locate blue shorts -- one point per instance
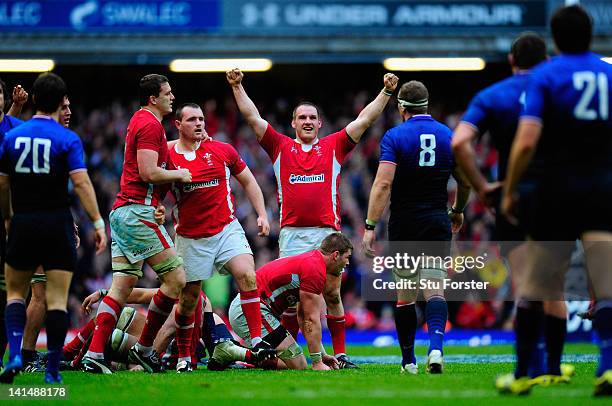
(44, 239)
(564, 207)
(427, 226)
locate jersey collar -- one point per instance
(181, 152)
(150, 112)
(306, 147)
(420, 116)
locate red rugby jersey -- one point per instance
(308, 177)
(206, 205)
(144, 132)
(280, 281)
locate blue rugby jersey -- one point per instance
(39, 156)
(570, 95)
(421, 149)
(497, 109)
(7, 124)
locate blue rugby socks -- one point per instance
(603, 326)
(406, 325)
(537, 364)
(436, 314)
(15, 319)
(555, 330)
(57, 326)
(208, 333)
(529, 315)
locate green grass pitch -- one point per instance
(461, 383)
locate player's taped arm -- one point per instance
(465, 155)
(373, 110)
(309, 317)
(253, 192)
(381, 191)
(524, 146)
(463, 190)
(249, 111)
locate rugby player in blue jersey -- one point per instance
(496, 109)
(34, 361)
(416, 162)
(567, 118)
(36, 161)
(8, 121)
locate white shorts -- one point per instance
(298, 240)
(202, 256)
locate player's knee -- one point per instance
(246, 279)
(431, 293)
(291, 353)
(172, 274)
(124, 269)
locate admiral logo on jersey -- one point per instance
(293, 178)
(188, 187)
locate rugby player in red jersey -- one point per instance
(307, 171)
(208, 235)
(285, 282)
(218, 339)
(136, 237)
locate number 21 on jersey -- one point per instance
(590, 83)
(427, 156)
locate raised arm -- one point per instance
(372, 111)
(85, 191)
(20, 97)
(379, 197)
(245, 104)
(255, 196)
